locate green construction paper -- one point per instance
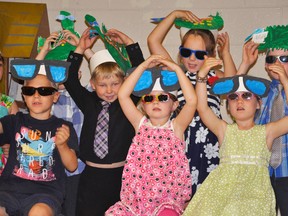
(277, 38)
(62, 51)
(117, 51)
(211, 23)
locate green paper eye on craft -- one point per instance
(210, 23)
(277, 38)
(61, 48)
(117, 51)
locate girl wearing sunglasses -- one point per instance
(276, 66)
(156, 177)
(240, 185)
(195, 45)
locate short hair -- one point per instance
(1, 57)
(54, 85)
(106, 70)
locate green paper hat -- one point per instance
(62, 50)
(117, 51)
(211, 23)
(277, 38)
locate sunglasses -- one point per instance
(244, 95)
(272, 59)
(27, 69)
(186, 53)
(43, 91)
(149, 98)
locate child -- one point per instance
(7, 106)
(276, 65)
(156, 178)
(100, 182)
(202, 148)
(240, 185)
(41, 147)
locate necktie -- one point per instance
(277, 112)
(101, 132)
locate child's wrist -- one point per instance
(201, 79)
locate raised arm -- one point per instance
(159, 33)
(249, 57)
(216, 125)
(223, 49)
(186, 114)
(127, 105)
(47, 46)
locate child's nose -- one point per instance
(192, 56)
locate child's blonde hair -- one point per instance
(106, 70)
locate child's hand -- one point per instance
(250, 53)
(186, 15)
(150, 62)
(62, 135)
(51, 39)
(169, 64)
(278, 69)
(119, 37)
(223, 42)
(209, 63)
(70, 37)
(85, 40)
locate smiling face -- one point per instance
(40, 106)
(193, 42)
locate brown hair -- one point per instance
(207, 37)
(106, 70)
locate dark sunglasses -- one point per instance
(186, 53)
(272, 59)
(149, 98)
(43, 91)
(244, 96)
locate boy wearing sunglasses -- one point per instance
(42, 146)
(276, 65)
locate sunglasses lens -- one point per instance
(200, 55)
(283, 59)
(232, 96)
(25, 71)
(148, 98)
(185, 53)
(270, 59)
(58, 73)
(44, 91)
(29, 91)
(163, 98)
(247, 95)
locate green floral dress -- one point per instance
(5, 103)
(240, 185)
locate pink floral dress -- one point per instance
(156, 175)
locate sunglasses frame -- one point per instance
(155, 97)
(274, 58)
(192, 52)
(49, 64)
(248, 97)
(168, 80)
(255, 85)
(40, 90)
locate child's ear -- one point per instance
(56, 97)
(92, 84)
(175, 105)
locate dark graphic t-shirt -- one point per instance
(34, 164)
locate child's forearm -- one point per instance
(229, 65)
(68, 157)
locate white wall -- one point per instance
(132, 17)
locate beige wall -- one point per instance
(241, 17)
